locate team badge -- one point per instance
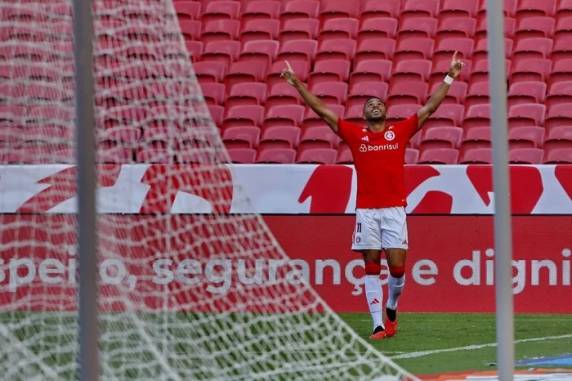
(389, 135)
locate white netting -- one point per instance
(182, 297)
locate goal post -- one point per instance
(207, 296)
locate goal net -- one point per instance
(206, 296)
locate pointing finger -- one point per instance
(288, 65)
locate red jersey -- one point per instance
(379, 159)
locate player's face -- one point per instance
(374, 110)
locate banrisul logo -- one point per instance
(381, 147)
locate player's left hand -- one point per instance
(456, 66)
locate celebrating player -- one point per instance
(379, 152)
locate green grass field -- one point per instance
(437, 342)
(427, 343)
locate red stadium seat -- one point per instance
(411, 155)
(480, 71)
(457, 92)
(246, 93)
(523, 137)
(371, 70)
(558, 156)
(403, 92)
(217, 10)
(344, 155)
(241, 137)
(564, 8)
(400, 112)
(419, 27)
(288, 135)
(187, 9)
(213, 92)
(414, 48)
(377, 27)
(295, 9)
(527, 8)
(331, 92)
(155, 155)
(190, 29)
(413, 8)
(476, 156)
(447, 46)
(260, 29)
(298, 49)
(242, 155)
(276, 156)
(244, 71)
(339, 28)
(282, 93)
(526, 114)
(481, 51)
(376, 8)
(375, 49)
(300, 67)
(534, 26)
(221, 51)
(317, 156)
(362, 91)
(561, 71)
(456, 27)
(114, 153)
(284, 115)
(476, 137)
(478, 93)
(220, 30)
(195, 49)
(454, 8)
(563, 26)
(259, 52)
(532, 48)
(336, 49)
(558, 115)
(330, 70)
(509, 27)
(478, 115)
(354, 114)
(251, 115)
(216, 113)
(412, 70)
(526, 92)
(333, 9)
(441, 137)
(260, 9)
(559, 137)
(559, 93)
(439, 156)
(533, 69)
(562, 47)
(525, 155)
(321, 134)
(311, 119)
(446, 115)
(299, 29)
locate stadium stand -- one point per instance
(347, 51)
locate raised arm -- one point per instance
(439, 94)
(311, 100)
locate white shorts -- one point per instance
(377, 229)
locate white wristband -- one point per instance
(448, 79)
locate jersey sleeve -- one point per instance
(345, 130)
(409, 125)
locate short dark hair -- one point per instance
(370, 98)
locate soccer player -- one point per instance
(378, 149)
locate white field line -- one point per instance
(411, 355)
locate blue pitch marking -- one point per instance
(564, 360)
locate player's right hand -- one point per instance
(288, 74)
